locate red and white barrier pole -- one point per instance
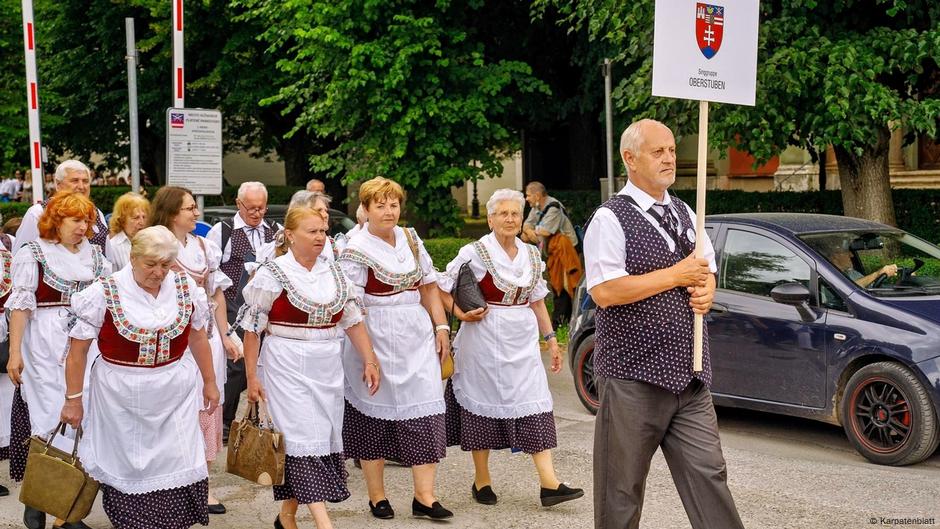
(179, 81)
(32, 100)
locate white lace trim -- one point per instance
(128, 486)
(314, 449)
(21, 299)
(512, 411)
(393, 413)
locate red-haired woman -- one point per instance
(46, 272)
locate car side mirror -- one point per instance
(797, 295)
(792, 293)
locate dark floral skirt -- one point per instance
(530, 434)
(312, 479)
(411, 442)
(177, 508)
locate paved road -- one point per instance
(784, 473)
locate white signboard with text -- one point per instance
(194, 150)
(706, 50)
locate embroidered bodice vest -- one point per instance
(6, 281)
(293, 309)
(123, 343)
(496, 289)
(380, 281)
(53, 291)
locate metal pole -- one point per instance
(608, 113)
(32, 101)
(132, 103)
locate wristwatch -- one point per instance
(548, 336)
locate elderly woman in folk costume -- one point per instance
(46, 272)
(305, 306)
(404, 421)
(498, 396)
(142, 439)
(130, 215)
(175, 208)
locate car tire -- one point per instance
(583, 371)
(888, 416)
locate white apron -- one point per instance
(300, 366)
(401, 330)
(142, 426)
(45, 340)
(498, 369)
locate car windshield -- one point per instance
(885, 263)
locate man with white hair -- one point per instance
(71, 176)
(648, 286)
(316, 186)
(240, 238)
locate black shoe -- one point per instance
(4, 491)
(277, 522)
(562, 494)
(382, 510)
(77, 525)
(216, 508)
(34, 519)
(357, 463)
(486, 496)
(435, 512)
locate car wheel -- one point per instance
(888, 416)
(583, 371)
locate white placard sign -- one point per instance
(194, 150)
(706, 50)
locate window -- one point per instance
(829, 298)
(755, 264)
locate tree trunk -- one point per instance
(866, 188)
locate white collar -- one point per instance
(120, 238)
(642, 198)
(240, 223)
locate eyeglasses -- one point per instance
(191, 209)
(252, 211)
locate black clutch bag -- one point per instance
(466, 292)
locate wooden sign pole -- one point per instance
(700, 221)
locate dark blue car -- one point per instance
(830, 318)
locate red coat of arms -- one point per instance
(709, 28)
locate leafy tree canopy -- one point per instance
(409, 90)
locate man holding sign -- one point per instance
(648, 285)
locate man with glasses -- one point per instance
(240, 239)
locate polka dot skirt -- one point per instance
(4, 453)
(531, 434)
(313, 479)
(411, 442)
(211, 426)
(177, 508)
(19, 436)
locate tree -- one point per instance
(405, 89)
(83, 83)
(839, 73)
(14, 131)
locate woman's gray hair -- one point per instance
(69, 166)
(157, 242)
(502, 195)
(309, 199)
(247, 187)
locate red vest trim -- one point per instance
(117, 349)
(374, 287)
(494, 296)
(285, 314)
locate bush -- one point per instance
(13, 209)
(443, 250)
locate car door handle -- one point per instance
(718, 308)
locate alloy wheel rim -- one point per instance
(881, 415)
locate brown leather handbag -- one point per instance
(55, 482)
(255, 449)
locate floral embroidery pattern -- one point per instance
(319, 314)
(154, 343)
(398, 281)
(511, 293)
(6, 283)
(65, 286)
